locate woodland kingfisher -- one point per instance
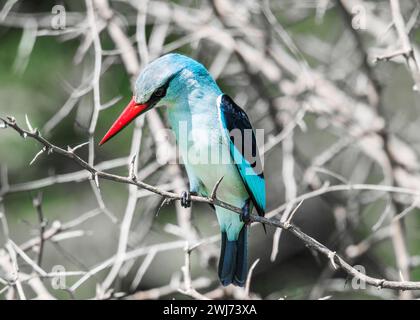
(217, 128)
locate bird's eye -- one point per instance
(160, 92)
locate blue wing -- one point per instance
(243, 149)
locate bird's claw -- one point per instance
(186, 199)
(245, 216)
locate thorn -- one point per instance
(331, 256)
(132, 173)
(37, 155)
(289, 219)
(69, 149)
(216, 186)
(96, 179)
(28, 123)
(165, 202)
(248, 278)
(401, 276)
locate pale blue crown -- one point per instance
(175, 67)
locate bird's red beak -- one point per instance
(132, 111)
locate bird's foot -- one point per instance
(186, 198)
(245, 216)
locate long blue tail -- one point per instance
(233, 263)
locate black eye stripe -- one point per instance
(159, 93)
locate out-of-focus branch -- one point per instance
(375, 94)
(407, 49)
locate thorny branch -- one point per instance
(335, 259)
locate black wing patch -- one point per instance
(244, 150)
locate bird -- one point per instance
(217, 144)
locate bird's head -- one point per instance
(156, 86)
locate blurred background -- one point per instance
(332, 83)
